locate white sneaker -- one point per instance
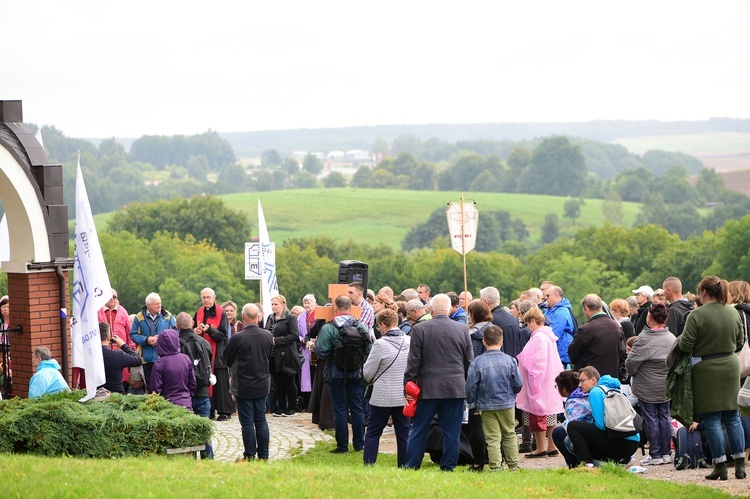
(666, 459)
(652, 461)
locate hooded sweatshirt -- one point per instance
(577, 407)
(596, 399)
(173, 377)
(47, 379)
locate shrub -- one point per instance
(59, 425)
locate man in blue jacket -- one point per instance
(560, 316)
(148, 323)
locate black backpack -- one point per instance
(200, 358)
(350, 348)
(575, 323)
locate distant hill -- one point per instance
(376, 216)
(327, 139)
(384, 216)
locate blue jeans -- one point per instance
(657, 420)
(202, 408)
(715, 435)
(450, 413)
(376, 424)
(347, 397)
(255, 434)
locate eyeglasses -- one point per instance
(581, 380)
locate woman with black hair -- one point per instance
(646, 363)
(712, 334)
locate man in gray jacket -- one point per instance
(439, 359)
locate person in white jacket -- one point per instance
(384, 369)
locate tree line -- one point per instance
(608, 260)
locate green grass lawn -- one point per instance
(314, 474)
(376, 216)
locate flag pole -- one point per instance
(463, 249)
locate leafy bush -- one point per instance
(59, 425)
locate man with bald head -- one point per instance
(199, 351)
(439, 359)
(679, 306)
(598, 342)
(250, 349)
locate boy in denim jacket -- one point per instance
(491, 387)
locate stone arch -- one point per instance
(32, 194)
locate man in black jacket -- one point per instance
(251, 350)
(116, 360)
(679, 307)
(201, 399)
(598, 342)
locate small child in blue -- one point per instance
(491, 387)
(577, 408)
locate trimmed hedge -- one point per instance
(122, 425)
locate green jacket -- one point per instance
(680, 386)
(713, 329)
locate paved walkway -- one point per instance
(289, 437)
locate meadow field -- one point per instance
(376, 216)
(384, 216)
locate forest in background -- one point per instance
(682, 204)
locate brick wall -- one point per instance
(35, 306)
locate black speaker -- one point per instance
(353, 271)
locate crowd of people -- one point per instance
(467, 367)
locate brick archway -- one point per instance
(32, 194)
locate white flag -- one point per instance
(269, 286)
(463, 220)
(4, 240)
(38, 136)
(91, 290)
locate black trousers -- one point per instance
(478, 442)
(286, 392)
(589, 443)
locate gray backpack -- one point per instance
(620, 418)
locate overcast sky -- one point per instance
(126, 69)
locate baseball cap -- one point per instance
(646, 290)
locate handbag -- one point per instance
(744, 354)
(743, 398)
(370, 386)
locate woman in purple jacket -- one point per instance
(173, 377)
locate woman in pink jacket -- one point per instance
(539, 364)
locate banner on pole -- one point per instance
(269, 286)
(91, 290)
(463, 221)
(253, 262)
